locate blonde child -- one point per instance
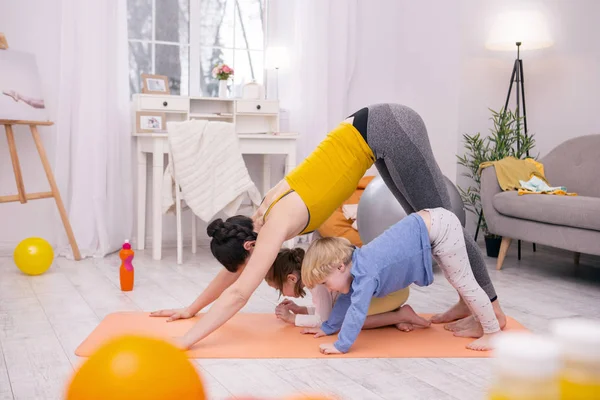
(402, 255)
(285, 276)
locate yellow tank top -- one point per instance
(330, 174)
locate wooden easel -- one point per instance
(22, 196)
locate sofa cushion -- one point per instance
(575, 211)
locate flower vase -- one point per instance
(223, 88)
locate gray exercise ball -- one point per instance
(378, 209)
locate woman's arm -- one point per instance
(217, 286)
(276, 191)
(222, 281)
(286, 220)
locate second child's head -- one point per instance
(285, 274)
(328, 261)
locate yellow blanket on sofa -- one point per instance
(510, 171)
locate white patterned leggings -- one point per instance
(449, 250)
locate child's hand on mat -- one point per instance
(173, 315)
(316, 331)
(282, 307)
(283, 314)
(328, 348)
(290, 305)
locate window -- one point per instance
(185, 39)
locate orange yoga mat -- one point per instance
(264, 336)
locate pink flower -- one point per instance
(226, 69)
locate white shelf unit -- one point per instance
(248, 116)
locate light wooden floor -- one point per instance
(43, 319)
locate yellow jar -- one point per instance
(525, 367)
(579, 342)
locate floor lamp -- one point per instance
(526, 30)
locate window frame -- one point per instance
(194, 47)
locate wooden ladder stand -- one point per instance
(22, 196)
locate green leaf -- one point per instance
(507, 130)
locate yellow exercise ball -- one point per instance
(33, 256)
(136, 367)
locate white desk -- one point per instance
(157, 144)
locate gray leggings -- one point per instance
(399, 140)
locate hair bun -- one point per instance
(214, 228)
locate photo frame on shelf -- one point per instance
(150, 122)
(155, 84)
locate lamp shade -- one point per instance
(528, 27)
(276, 57)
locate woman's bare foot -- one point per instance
(459, 311)
(406, 314)
(405, 326)
(458, 325)
(484, 343)
(473, 330)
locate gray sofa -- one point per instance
(570, 223)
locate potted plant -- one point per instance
(222, 72)
(501, 143)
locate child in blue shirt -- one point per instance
(402, 255)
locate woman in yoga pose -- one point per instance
(391, 136)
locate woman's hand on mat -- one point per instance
(316, 331)
(173, 315)
(328, 348)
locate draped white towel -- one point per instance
(209, 167)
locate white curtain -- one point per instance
(322, 48)
(93, 153)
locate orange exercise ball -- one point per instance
(33, 256)
(136, 367)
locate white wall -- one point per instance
(32, 26)
(562, 83)
(408, 53)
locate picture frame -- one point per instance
(21, 93)
(3, 42)
(155, 84)
(150, 122)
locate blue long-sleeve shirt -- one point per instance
(397, 258)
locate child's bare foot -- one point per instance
(458, 311)
(405, 326)
(499, 314)
(484, 343)
(474, 330)
(459, 325)
(408, 315)
(469, 327)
